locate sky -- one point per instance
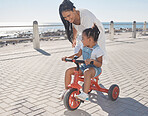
(47, 10)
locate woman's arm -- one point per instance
(77, 54)
(74, 37)
(97, 62)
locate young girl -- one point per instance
(92, 54)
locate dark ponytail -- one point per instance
(67, 6)
(92, 32)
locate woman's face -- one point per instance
(85, 40)
(69, 16)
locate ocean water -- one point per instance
(13, 30)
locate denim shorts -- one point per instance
(97, 69)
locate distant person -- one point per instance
(75, 21)
(92, 55)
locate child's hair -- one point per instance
(92, 32)
(67, 5)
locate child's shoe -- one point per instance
(83, 96)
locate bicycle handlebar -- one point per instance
(75, 61)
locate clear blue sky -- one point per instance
(47, 10)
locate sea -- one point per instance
(4, 31)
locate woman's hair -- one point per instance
(92, 32)
(67, 5)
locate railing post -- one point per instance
(36, 38)
(111, 31)
(134, 30)
(144, 28)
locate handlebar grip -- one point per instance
(73, 60)
(68, 60)
(80, 61)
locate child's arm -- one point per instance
(74, 37)
(97, 63)
(77, 54)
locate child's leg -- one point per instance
(88, 74)
(69, 72)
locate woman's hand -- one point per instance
(87, 61)
(63, 59)
(74, 43)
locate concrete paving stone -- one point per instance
(146, 104)
(28, 105)
(130, 107)
(88, 106)
(31, 100)
(11, 112)
(12, 96)
(54, 99)
(47, 114)
(24, 110)
(15, 93)
(36, 112)
(19, 114)
(60, 112)
(138, 98)
(51, 109)
(52, 104)
(4, 105)
(1, 110)
(19, 102)
(142, 102)
(41, 98)
(133, 95)
(14, 107)
(41, 102)
(145, 114)
(8, 100)
(61, 107)
(78, 112)
(145, 99)
(92, 110)
(117, 111)
(102, 113)
(128, 112)
(6, 114)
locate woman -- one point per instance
(75, 21)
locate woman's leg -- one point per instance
(69, 72)
(88, 74)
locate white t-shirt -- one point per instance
(96, 53)
(87, 20)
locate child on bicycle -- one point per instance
(92, 55)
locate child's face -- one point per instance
(85, 40)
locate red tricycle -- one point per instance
(70, 102)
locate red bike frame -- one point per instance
(94, 83)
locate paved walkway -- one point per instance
(31, 81)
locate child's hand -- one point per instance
(63, 59)
(87, 61)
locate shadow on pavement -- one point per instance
(43, 52)
(123, 106)
(77, 112)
